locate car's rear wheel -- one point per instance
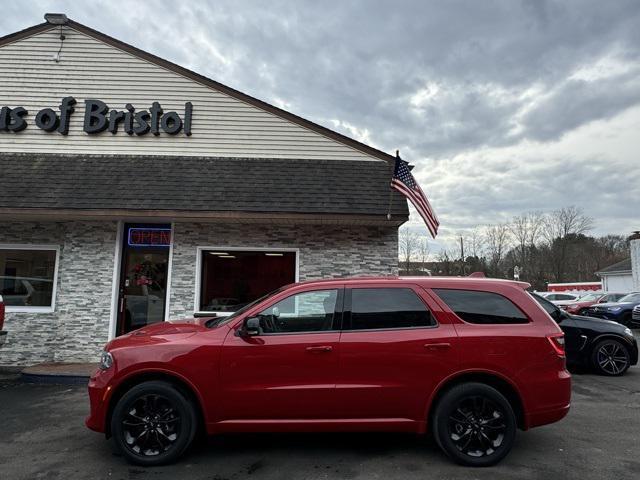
(474, 424)
(153, 423)
(610, 357)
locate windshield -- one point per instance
(632, 297)
(223, 320)
(590, 297)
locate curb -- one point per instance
(54, 379)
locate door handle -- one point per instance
(437, 346)
(320, 349)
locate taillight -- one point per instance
(1, 313)
(557, 343)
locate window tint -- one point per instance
(387, 308)
(304, 312)
(481, 307)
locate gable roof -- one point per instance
(338, 137)
(621, 267)
(208, 187)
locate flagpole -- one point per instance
(390, 188)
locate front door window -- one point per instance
(143, 278)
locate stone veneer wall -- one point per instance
(78, 328)
(325, 251)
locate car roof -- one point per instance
(425, 281)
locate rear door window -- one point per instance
(384, 308)
(475, 306)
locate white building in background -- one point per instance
(634, 245)
(617, 277)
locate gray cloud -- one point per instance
(437, 79)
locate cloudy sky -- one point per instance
(502, 106)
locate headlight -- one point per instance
(627, 331)
(106, 361)
(614, 309)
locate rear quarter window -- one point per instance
(388, 308)
(480, 307)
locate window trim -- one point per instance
(198, 275)
(39, 247)
(446, 305)
(346, 313)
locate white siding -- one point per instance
(617, 283)
(222, 125)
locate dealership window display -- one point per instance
(28, 277)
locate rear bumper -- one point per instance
(545, 417)
(552, 399)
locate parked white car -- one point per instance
(560, 298)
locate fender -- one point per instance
(461, 373)
(153, 370)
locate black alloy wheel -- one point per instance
(153, 423)
(610, 357)
(474, 424)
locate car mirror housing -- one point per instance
(250, 327)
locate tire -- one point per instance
(610, 357)
(153, 423)
(481, 417)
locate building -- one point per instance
(617, 277)
(575, 287)
(133, 191)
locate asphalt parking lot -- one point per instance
(42, 435)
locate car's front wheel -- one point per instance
(474, 424)
(153, 423)
(610, 357)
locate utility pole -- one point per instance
(462, 272)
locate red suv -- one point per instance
(469, 360)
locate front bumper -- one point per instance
(100, 391)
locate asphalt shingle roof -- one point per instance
(198, 184)
(623, 266)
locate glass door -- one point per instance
(143, 276)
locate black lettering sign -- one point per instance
(66, 109)
(98, 117)
(95, 120)
(47, 120)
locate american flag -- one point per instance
(404, 182)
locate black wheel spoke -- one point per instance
(477, 426)
(151, 426)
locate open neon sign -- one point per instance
(149, 237)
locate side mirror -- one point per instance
(250, 327)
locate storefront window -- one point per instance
(27, 278)
(230, 279)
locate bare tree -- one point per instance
(566, 221)
(422, 253)
(474, 242)
(497, 239)
(561, 228)
(408, 247)
(525, 230)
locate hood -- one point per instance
(161, 332)
(614, 304)
(173, 327)
(598, 322)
